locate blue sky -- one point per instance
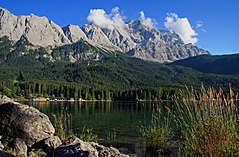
(218, 19)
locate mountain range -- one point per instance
(134, 38)
(38, 57)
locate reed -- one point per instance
(207, 121)
(63, 125)
(158, 134)
(63, 128)
(201, 123)
(111, 136)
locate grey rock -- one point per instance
(109, 152)
(120, 38)
(27, 123)
(158, 45)
(18, 147)
(38, 30)
(1, 146)
(74, 33)
(37, 153)
(5, 99)
(98, 37)
(52, 142)
(74, 147)
(142, 42)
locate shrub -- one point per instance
(88, 135)
(158, 134)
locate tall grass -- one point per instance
(158, 133)
(63, 128)
(111, 136)
(204, 123)
(207, 122)
(63, 125)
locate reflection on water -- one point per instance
(121, 118)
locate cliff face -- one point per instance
(158, 45)
(134, 38)
(74, 33)
(37, 30)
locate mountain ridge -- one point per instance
(215, 64)
(134, 39)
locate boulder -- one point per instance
(1, 146)
(25, 122)
(52, 143)
(18, 147)
(74, 147)
(110, 152)
(4, 99)
(37, 153)
(33, 132)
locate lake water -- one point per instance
(122, 119)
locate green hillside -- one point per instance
(224, 64)
(27, 72)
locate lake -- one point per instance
(121, 119)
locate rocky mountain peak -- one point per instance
(134, 22)
(74, 33)
(96, 35)
(134, 38)
(121, 38)
(137, 24)
(4, 11)
(38, 30)
(159, 45)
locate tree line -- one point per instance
(53, 89)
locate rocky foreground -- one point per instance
(25, 131)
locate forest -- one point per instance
(26, 72)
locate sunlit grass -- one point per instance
(63, 128)
(63, 125)
(202, 123)
(158, 134)
(207, 122)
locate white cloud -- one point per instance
(199, 26)
(117, 18)
(100, 18)
(104, 20)
(148, 22)
(182, 27)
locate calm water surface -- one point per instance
(121, 118)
